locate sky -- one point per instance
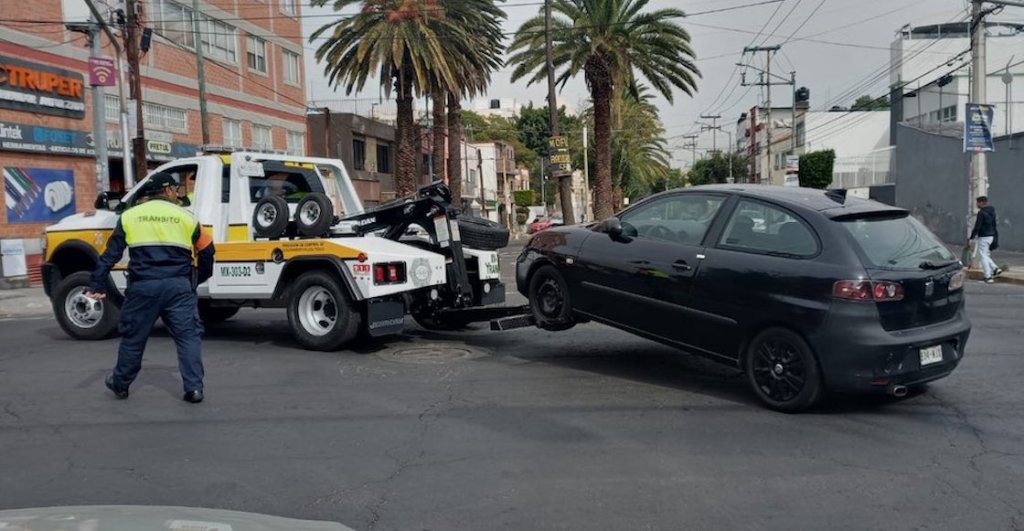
(832, 45)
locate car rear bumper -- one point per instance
(859, 355)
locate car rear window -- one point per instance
(896, 242)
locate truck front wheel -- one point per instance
(321, 315)
(80, 316)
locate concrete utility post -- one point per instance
(132, 25)
(979, 162)
(767, 83)
(126, 160)
(714, 128)
(201, 73)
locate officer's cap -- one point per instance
(160, 182)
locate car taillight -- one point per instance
(389, 273)
(867, 290)
(956, 281)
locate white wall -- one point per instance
(848, 133)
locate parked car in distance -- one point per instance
(806, 291)
(544, 223)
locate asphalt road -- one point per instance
(585, 429)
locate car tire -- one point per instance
(482, 233)
(783, 371)
(215, 314)
(314, 215)
(270, 217)
(320, 313)
(549, 299)
(80, 317)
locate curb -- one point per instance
(1005, 278)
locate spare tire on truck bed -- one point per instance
(482, 233)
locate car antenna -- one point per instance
(838, 195)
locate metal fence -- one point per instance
(861, 171)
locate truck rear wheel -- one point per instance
(270, 217)
(321, 315)
(80, 316)
(314, 215)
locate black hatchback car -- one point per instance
(804, 290)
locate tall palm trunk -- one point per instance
(439, 134)
(408, 148)
(455, 148)
(601, 91)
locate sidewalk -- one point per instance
(24, 302)
(1011, 263)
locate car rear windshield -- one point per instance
(896, 242)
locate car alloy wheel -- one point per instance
(550, 298)
(783, 371)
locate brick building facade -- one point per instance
(255, 98)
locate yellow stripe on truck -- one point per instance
(95, 238)
(238, 233)
(263, 251)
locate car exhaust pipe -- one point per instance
(898, 391)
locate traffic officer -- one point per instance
(163, 241)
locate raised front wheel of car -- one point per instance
(549, 299)
(314, 215)
(783, 371)
(320, 313)
(80, 316)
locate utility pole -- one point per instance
(766, 81)
(201, 73)
(132, 47)
(564, 181)
(586, 176)
(792, 123)
(714, 128)
(979, 162)
(126, 161)
(693, 148)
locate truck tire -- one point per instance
(270, 217)
(215, 314)
(80, 317)
(314, 215)
(320, 313)
(482, 233)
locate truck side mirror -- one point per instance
(108, 201)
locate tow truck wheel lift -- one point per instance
(430, 208)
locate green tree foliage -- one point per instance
(867, 103)
(609, 42)
(816, 169)
(715, 169)
(524, 197)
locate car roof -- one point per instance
(830, 203)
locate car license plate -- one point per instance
(931, 355)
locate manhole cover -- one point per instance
(430, 355)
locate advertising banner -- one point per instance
(38, 195)
(38, 139)
(38, 88)
(978, 128)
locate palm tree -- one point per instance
(440, 128)
(404, 43)
(482, 20)
(610, 41)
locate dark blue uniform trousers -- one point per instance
(174, 301)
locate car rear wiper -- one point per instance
(928, 264)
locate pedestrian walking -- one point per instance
(986, 236)
(169, 255)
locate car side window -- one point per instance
(184, 174)
(763, 228)
(682, 218)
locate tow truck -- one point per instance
(291, 232)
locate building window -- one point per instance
(384, 158)
(165, 118)
(262, 137)
(257, 54)
(173, 21)
(232, 133)
(358, 154)
(296, 143)
(112, 107)
(291, 68)
(288, 7)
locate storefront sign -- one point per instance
(978, 128)
(157, 150)
(33, 87)
(38, 195)
(38, 139)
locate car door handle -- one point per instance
(681, 265)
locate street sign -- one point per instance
(558, 143)
(978, 128)
(561, 158)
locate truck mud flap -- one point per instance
(385, 317)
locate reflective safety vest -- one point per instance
(158, 222)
